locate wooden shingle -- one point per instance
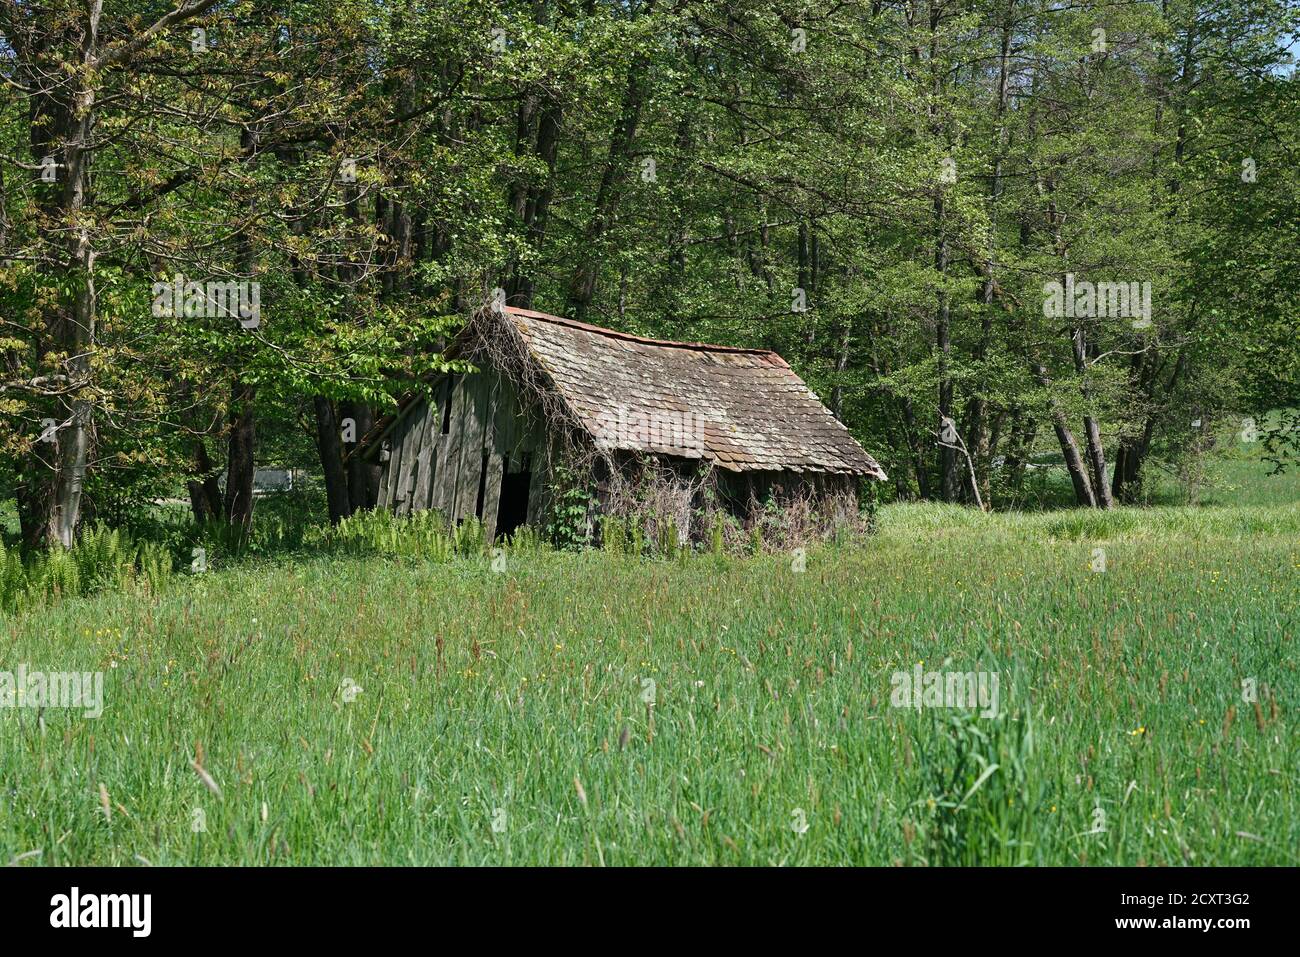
(742, 409)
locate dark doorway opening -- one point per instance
(513, 510)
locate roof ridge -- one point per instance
(645, 340)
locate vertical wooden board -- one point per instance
(439, 471)
(539, 463)
(410, 461)
(492, 399)
(381, 500)
(460, 414)
(517, 429)
(438, 483)
(530, 436)
(398, 463)
(427, 501)
(503, 421)
(442, 495)
(520, 431)
(385, 497)
(394, 466)
(433, 425)
(536, 501)
(492, 496)
(410, 449)
(510, 447)
(471, 458)
(427, 457)
(419, 440)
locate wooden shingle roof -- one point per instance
(743, 409)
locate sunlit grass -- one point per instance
(495, 696)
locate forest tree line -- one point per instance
(983, 231)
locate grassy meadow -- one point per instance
(589, 708)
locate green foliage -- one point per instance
(155, 565)
(102, 560)
(468, 539)
(669, 538)
(569, 513)
(663, 170)
(424, 535)
(379, 532)
(614, 535)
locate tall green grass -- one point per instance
(704, 706)
(983, 802)
(104, 559)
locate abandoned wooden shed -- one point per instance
(552, 398)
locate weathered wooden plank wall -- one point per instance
(427, 468)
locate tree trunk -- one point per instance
(949, 477)
(1074, 463)
(56, 62)
(978, 430)
(1126, 484)
(205, 493)
(331, 460)
(841, 364)
(60, 120)
(1023, 432)
(1092, 431)
(920, 458)
(618, 159)
(534, 210)
(363, 476)
(238, 504)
